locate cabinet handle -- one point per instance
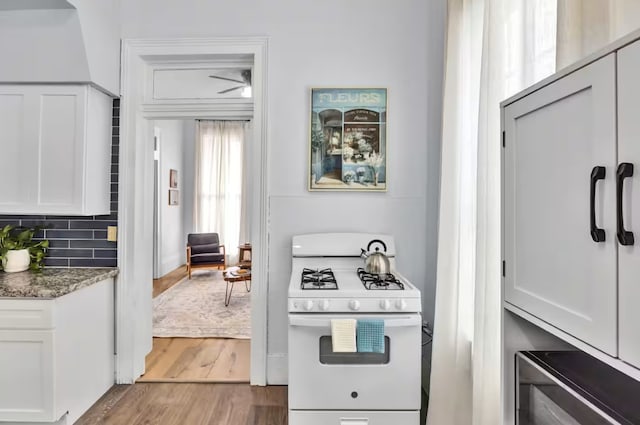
(598, 173)
(625, 169)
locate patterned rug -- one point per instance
(195, 309)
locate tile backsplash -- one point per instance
(80, 241)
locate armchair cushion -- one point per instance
(202, 239)
(205, 249)
(207, 258)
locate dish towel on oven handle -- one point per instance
(370, 336)
(343, 335)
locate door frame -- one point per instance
(135, 226)
(157, 207)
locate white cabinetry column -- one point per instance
(629, 152)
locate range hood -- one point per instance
(58, 41)
(34, 4)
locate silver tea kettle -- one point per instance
(376, 262)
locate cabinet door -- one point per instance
(17, 144)
(26, 376)
(629, 151)
(43, 147)
(60, 147)
(554, 269)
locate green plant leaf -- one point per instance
(12, 238)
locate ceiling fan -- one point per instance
(245, 74)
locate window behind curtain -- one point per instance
(220, 181)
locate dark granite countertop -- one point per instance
(51, 283)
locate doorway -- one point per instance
(199, 333)
(142, 103)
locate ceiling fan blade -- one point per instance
(231, 89)
(227, 79)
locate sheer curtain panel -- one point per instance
(585, 26)
(220, 182)
(494, 48)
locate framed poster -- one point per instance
(348, 143)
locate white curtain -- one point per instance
(220, 181)
(585, 26)
(494, 49)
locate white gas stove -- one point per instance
(328, 282)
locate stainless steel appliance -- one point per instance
(325, 387)
(572, 388)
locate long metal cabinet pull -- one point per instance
(598, 173)
(625, 169)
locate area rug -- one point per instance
(195, 309)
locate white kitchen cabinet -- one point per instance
(56, 150)
(27, 358)
(629, 152)
(56, 355)
(571, 266)
(554, 270)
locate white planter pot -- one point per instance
(16, 261)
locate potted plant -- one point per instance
(19, 251)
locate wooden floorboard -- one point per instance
(268, 415)
(198, 360)
(195, 359)
(189, 404)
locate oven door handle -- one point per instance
(399, 322)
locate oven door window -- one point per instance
(327, 356)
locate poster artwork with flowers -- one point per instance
(348, 139)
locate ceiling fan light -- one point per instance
(246, 92)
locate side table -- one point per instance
(244, 257)
(233, 275)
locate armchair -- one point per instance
(205, 251)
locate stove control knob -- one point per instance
(385, 304)
(324, 305)
(401, 305)
(307, 305)
(354, 305)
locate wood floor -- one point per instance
(167, 281)
(189, 404)
(198, 360)
(195, 359)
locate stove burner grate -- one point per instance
(375, 281)
(318, 279)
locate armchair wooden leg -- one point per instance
(189, 261)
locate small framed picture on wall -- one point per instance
(173, 178)
(173, 197)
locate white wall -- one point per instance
(342, 44)
(435, 46)
(171, 238)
